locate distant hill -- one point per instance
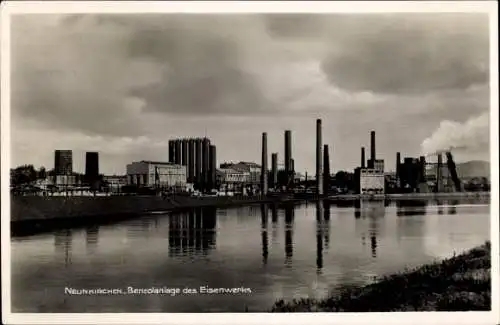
(474, 168)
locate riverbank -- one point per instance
(460, 283)
(34, 214)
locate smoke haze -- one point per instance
(472, 136)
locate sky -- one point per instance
(124, 84)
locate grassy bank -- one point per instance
(460, 283)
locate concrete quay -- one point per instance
(33, 214)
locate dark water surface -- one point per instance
(277, 252)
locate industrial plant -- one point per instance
(192, 167)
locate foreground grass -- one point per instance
(460, 283)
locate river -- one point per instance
(268, 252)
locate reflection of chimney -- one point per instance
(319, 235)
(363, 159)
(319, 158)
(263, 172)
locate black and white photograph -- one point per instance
(249, 160)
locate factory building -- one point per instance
(157, 175)
(63, 162)
(198, 155)
(411, 174)
(63, 168)
(253, 170)
(372, 181)
(231, 179)
(91, 167)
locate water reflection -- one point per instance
(326, 221)
(319, 235)
(192, 233)
(391, 243)
(440, 204)
(265, 241)
(452, 208)
(274, 219)
(289, 218)
(411, 207)
(91, 238)
(62, 243)
(373, 211)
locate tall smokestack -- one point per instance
(326, 166)
(263, 172)
(288, 156)
(398, 165)
(274, 170)
(372, 149)
(319, 158)
(363, 158)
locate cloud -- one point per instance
(158, 76)
(410, 54)
(472, 135)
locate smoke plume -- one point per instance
(472, 136)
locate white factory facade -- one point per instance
(156, 174)
(372, 180)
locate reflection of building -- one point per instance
(91, 237)
(156, 174)
(192, 233)
(411, 207)
(63, 242)
(289, 218)
(63, 162)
